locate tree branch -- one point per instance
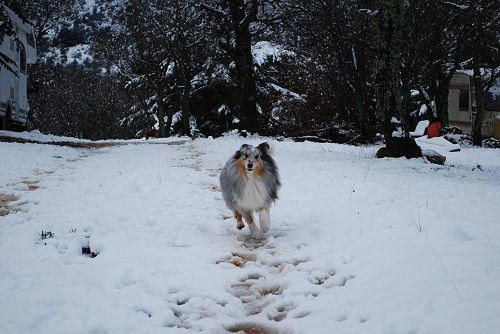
(251, 16)
(214, 10)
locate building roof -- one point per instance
(18, 20)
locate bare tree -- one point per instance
(338, 35)
(46, 15)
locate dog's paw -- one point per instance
(264, 228)
(264, 220)
(258, 235)
(264, 225)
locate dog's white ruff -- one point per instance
(254, 195)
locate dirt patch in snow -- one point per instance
(5, 200)
(90, 145)
(250, 328)
(31, 184)
(83, 144)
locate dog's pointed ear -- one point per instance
(264, 147)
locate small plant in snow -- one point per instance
(417, 224)
(46, 235)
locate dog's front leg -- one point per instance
(239, 220)
(264, 219)
(249, 218)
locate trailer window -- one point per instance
(463, 100)
(22, 54)
(31, 39)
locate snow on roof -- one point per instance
(466, 72)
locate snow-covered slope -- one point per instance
(357, 245)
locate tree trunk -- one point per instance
(364, 127)
(168, 124)
(361, 95)
(389, 71)
(185, 109)
(161, 117)
(246, 92)
(406, 109)
(442, 102)
(441, 90)
(385, 107)
(389, 88)
(477, 138)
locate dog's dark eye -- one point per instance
(246, 156)
(257, 157)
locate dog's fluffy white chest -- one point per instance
(254, 194)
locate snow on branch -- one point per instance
(251, 16)
(368, 12)
(264, 51)
(449, 3)
(286, 92)
(217, 11)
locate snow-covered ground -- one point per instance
(357, 244)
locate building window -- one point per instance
(22, 54)
(463, 100)
(31, 39)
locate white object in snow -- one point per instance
(438, 144)
(420, 129)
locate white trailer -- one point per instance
(20, 49)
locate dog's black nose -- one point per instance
(250, 166)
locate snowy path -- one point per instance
(357, 245)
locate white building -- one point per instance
(20, 50)
(461, 103)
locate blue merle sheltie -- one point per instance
(250, 182)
